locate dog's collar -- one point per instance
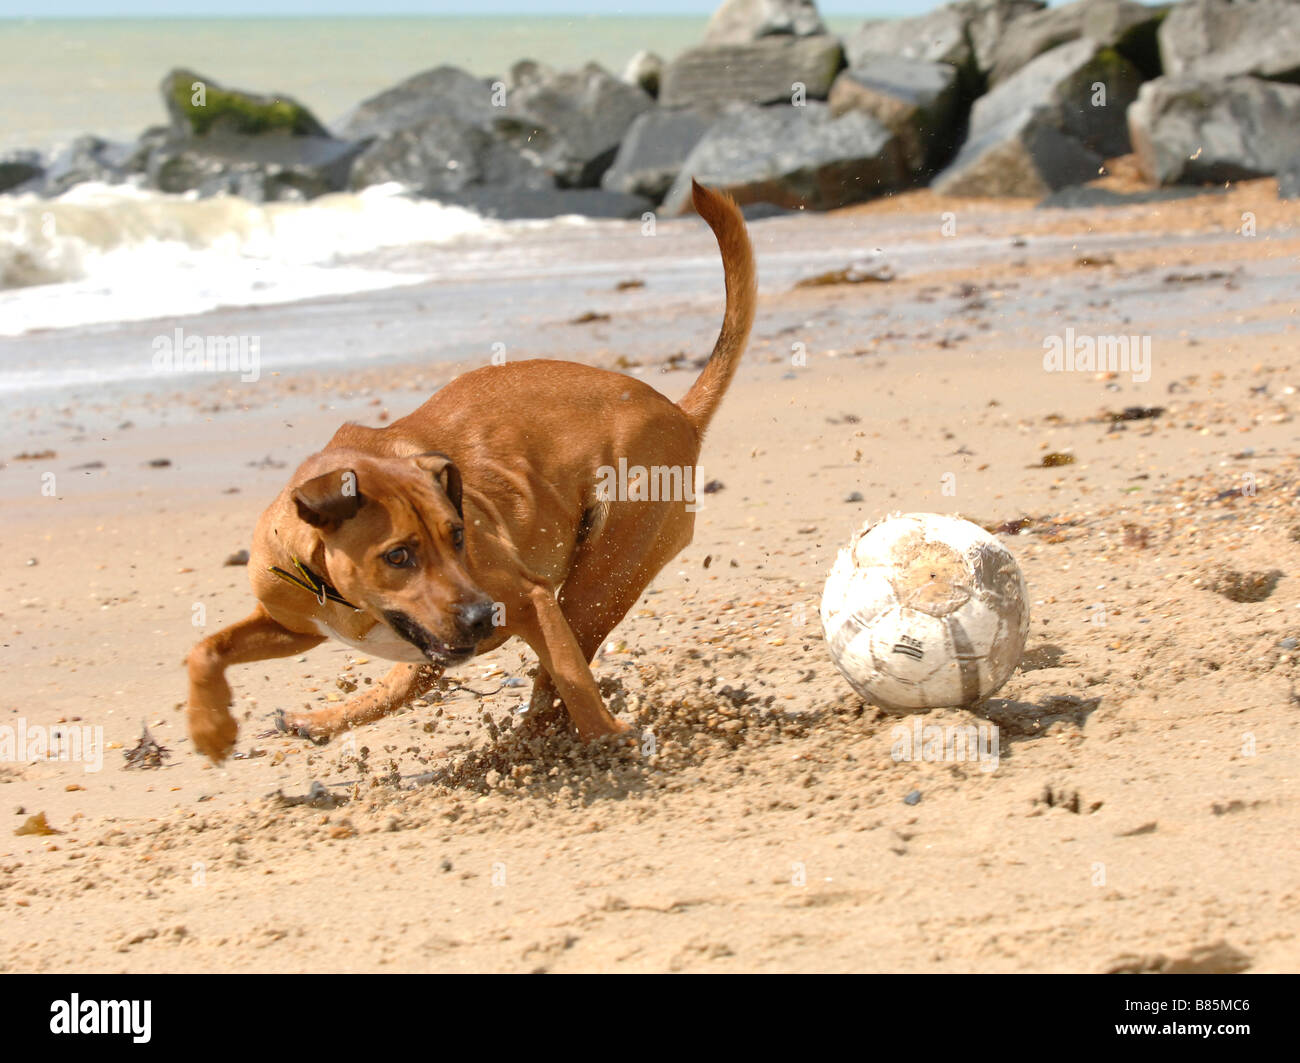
(309, 581)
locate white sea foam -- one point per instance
(103, 253)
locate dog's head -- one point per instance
(394, 536)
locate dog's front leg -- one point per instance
(255, 638)
(402, 683)
(548, 632)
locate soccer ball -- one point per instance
(922, 611)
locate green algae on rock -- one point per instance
(198, 106)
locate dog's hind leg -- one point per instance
(257, 637)
(607, 578)
(403, 683)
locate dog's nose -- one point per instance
(475, 619)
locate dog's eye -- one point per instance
(457, 537)
(399, 557)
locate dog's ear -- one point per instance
(445, 474)
(328, 500)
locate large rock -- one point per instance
(795, 157)
(571, 124)
(964, 34)
(199, 106)
(937, 37)
(1288, 180)
(1192, 129)
(915, 99)
(743, 21)
(444, 91)
(91, 158)
(652, 153)
(645, 70)
(258, 168)
(221, 140)
(1024, 155)
(528, 72)
(765, 71)
(1130, 28)
(1046, 126)
(443, 155)
(988, 23)
(20, 171)
(1063, 81)
(1215, 38)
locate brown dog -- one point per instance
(523, 499)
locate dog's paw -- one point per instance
(213, 733)
(619, 732)
(302, 725)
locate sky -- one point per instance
(209, 8)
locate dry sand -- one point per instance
(1142, 812)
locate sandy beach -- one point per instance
(1141, 811)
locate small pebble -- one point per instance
(914, 798)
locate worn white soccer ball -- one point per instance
(923, 611)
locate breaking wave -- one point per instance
(103, 253)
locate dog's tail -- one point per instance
(728, 225)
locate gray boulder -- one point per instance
(644, 70)
(443, 155)
(91, 158)
(653, 151)
(262, 148)
(198, 106)
(1046, 126)
(988, 23)
(937, 37)
(965, 34)
(743, 21)
(1215, 38)
(444, 91)
(1288, 180)
(528, 72)
(258, 168)
(20, 168)
(1063, 82)
(1128, 27)
(765, 71)
(571, 124)
(913, 98)
(795, 157)
(1191, 129)
(1024, 155)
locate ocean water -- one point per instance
(99, 255)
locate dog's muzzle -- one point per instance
(425, 641)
